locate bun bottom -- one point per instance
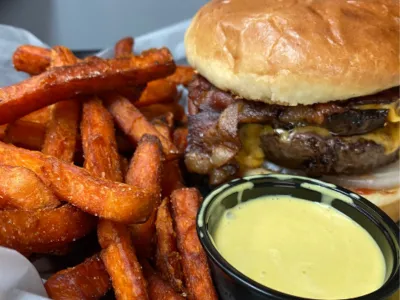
(387, 200)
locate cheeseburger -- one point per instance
(309, 87)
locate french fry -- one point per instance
(40, 116)
(124, 47)
(98, 141)
(16, 134)
(185, 204)
(120, 260)
(156, 110)
(61, 134)
(133, 123)
(172, 178)
(20, 188)
(25, 54)
(89, 77)
(88, 280)
(3, 130)
(62, 130)
(168, 259)
(110, 200)
(34, 231)
(163, 129)
(102, 160)
(180, 138)
(182, 75)
(157, 288)
(158, 91)
(124, 163)
(145, 171)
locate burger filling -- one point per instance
(228, 134)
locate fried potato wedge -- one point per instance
(98, 141)
(88, 280)
(31, 59)
(158, 289)
(168, 259)
(133, 123)
(20, 188)
(121, 262)
(185, 204)
(34, 231)
(124, 47)
(107, 199)
(87, 77)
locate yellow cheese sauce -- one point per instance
(301, 248)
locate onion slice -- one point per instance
(387, 177)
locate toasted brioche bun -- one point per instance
(297, 52)
(387, 200)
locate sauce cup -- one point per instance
(232, 284)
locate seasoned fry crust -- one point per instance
(145, 171)
(157, 288)
(62, 130)
(88, 280)
(34, 231)
(21, 188)
(121, 262)
(133, 123)
(182, 75)
(124, 47)
(31, 59)
(99, 142)
(87, 77)
(103, 198)
(16, 134)
(185, 204)
(158, 91)
(168, 259)
(172, 178)
(180, 138)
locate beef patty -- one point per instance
(216, 116)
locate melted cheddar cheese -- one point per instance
(252, 156)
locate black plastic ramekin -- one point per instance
(233, 285)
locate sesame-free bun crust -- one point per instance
(297, 51)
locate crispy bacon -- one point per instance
(216, 115)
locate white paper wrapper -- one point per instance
(19, 280)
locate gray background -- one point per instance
(93, 24)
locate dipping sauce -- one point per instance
(301, 248)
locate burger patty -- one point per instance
(318, 155)
(216, 116)
(339, 117)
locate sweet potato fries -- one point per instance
(111, 136)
